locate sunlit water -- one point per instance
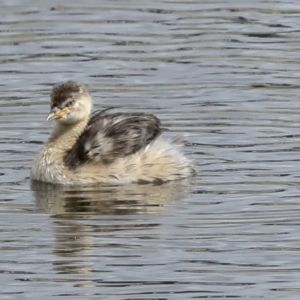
(224, 72)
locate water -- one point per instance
(224, 72)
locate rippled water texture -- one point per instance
(224, 72)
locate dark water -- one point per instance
(225, 72)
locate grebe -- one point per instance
(102, 147)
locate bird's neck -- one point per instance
(64, 136)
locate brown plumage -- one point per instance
(111, 136)
(104, 147)
(65, 92)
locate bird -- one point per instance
(104, 147)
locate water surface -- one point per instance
(224, 72)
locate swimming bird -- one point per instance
(114, 148)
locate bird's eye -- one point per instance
(70, 103)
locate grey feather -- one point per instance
(111, 136)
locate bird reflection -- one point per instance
(77, 227)
(68, 202)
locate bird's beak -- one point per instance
(57, 113)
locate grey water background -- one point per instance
(226, 73)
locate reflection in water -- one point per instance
(75, 225)
(67, 202)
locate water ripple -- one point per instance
(223, 72)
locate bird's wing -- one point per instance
(111, 136)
